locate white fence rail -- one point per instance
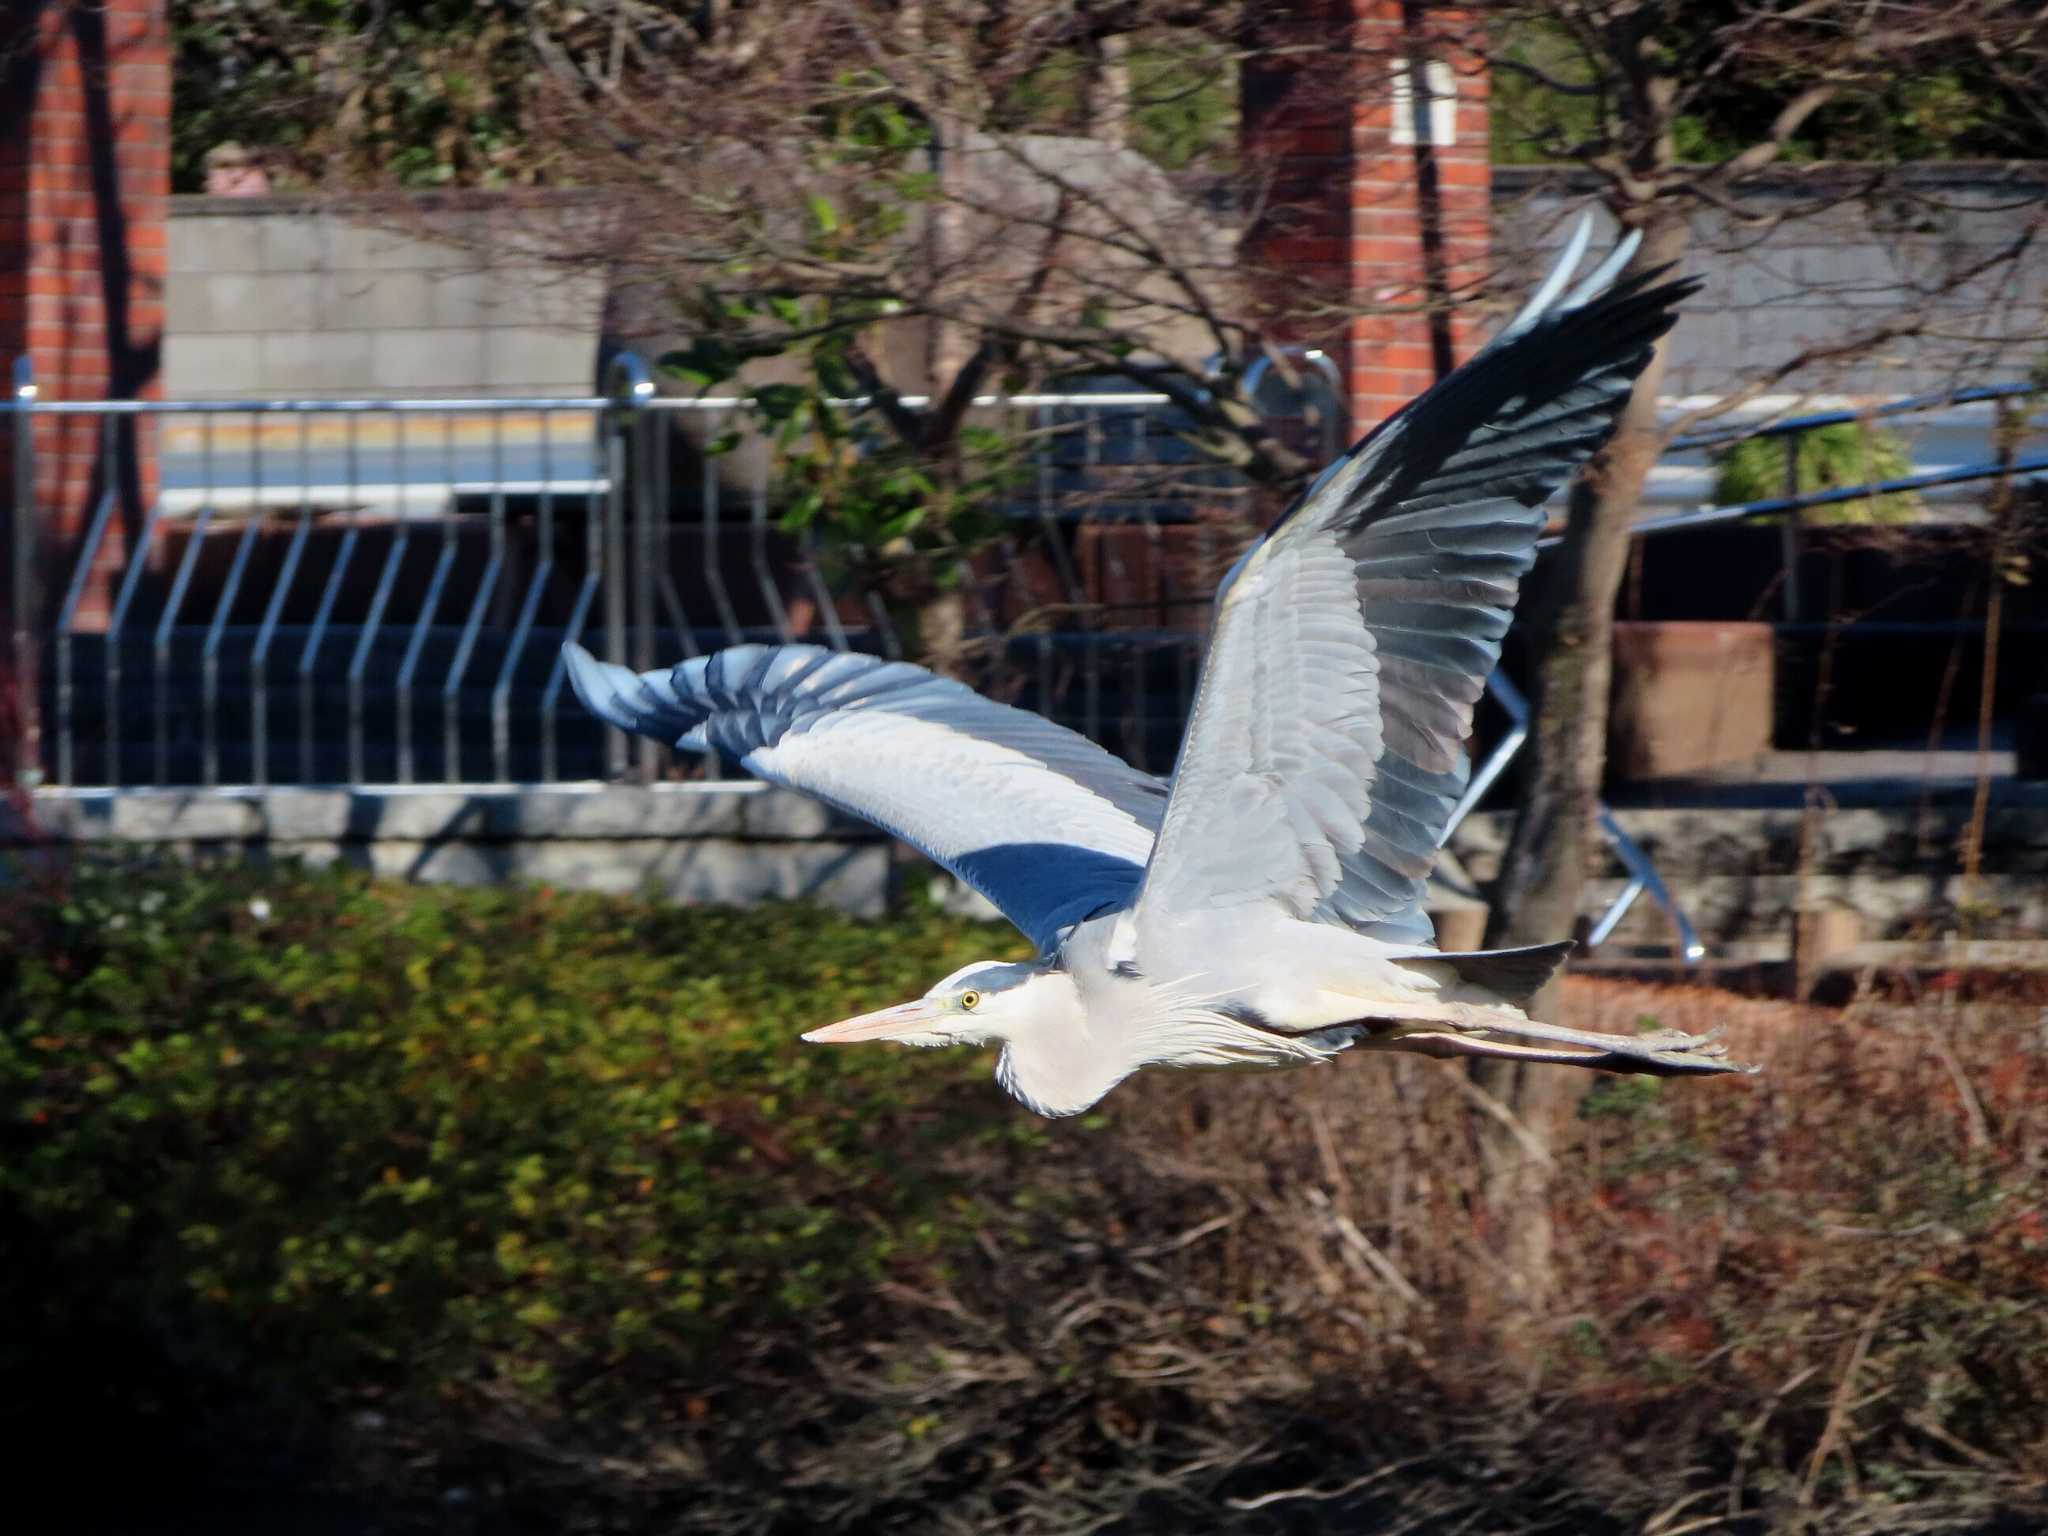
(376, 591)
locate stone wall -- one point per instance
(276, 296)
(1742, 873)
(1858, 266)
(731, 843)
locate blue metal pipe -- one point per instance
(1934, 402)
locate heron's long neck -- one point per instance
(1053, 1062)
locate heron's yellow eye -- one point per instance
(970, 1000)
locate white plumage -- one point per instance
(1264, 910)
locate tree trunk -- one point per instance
(947, 89)
(941, 638)
(1556, 842)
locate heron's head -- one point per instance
(976, 1005)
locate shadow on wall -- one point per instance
(132, 362)
(733, 845)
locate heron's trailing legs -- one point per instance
(1668, 1053)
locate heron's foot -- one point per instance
(1678, 1040)
(1675, 1040)
(1664, 1052)
(1672, 1052)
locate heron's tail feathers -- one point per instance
(1512, 975)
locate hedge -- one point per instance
(536, 1200)
(419, 1143)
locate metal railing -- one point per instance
(1789, 429)
(376, 591)
(1642, 873)
(335, 500)
(1909, 405)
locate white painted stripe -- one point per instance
(187, 501)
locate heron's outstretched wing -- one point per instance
(1325, 754)
(1042, 822)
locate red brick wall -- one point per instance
(85, 95)
(1366, 241)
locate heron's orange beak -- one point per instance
(915, 1018)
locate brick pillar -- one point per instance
(1368, 228)
(85, 97)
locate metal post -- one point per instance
(644, 503)
(1643, 874)
(607, 558)
(1788, 533)
(28, 762)
(630, 386)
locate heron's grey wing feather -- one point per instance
(1326, 747)
(1042, 822)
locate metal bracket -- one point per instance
(1643, 874)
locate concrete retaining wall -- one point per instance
(735, 843)
(1742, 874)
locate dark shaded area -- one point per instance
(20, 72)
(1895, 620)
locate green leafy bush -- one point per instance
(428, 1142)
(1825, 459)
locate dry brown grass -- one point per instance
(1806, 1301)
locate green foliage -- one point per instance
(882, 501)
(1529, 122)
(1849, 453)
(1623, 1098)
(861, 117)
(459, 1143)
(899, 501)
(1948, 103)
(445, 92)
(1179, 106)
(425, 92)
(897, 498)
(1184, 101)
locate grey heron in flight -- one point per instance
(1263, 908)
